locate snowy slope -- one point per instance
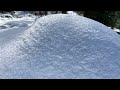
(62, 46)
(10, 28)
(19, 19)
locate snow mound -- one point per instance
(62, 46)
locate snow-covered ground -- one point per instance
(16, 21)
(117, 30)
(12, 27)
(58, 46)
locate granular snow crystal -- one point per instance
(62, 46)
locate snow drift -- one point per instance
(62, 46)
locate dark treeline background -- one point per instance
(108, 18)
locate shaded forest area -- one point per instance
(108, 18)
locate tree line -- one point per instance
(108, 18)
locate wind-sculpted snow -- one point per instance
(62, 46)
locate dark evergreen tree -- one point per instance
(64, 12)
(108, 18)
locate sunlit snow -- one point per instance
(60, 46)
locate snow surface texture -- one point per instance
(62, 46)
(20, 19)
(10, 28)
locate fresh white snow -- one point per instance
(19, 20)
(10, 28)
(60, 46)
(71, 12)
(117, 30)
